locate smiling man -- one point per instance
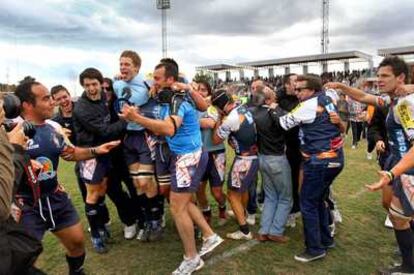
(92, 122)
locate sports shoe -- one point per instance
(369, 156)
(209, 244)
(130, 231)
(336, 215)
(353, 147)
(156, 231)
(230, 213)
(305, 257)
(99, 245)
(291, 221)
(238, 235)
(395, 270)
(251, 219)
(388, 223)
(105, 235)
(188, 266)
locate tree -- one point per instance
(201, 76)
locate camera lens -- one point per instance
(29, 129)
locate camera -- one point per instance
(12, 109)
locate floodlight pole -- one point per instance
(164, 5)
(325, 32)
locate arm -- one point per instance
(335, 119)
(356, 94)
(158, 127)
(207, 123)
(77, 153)
(95, 125)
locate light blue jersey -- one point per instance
(133, 92)
(187, 139)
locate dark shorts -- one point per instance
(216, 168)
(403, 188)
(54, 212)
(187, 171)
(93, 171)
(242, 173)
(136, 148)
(163, 161)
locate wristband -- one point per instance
(390, 175)
(93, 151)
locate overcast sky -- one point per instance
(54, 40)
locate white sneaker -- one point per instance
(188, 266)
(369, 156)
(238, 235)
(251, 219)
(209, 244)
(388, 223)
(336, 215)
(230, 213)
(130, 231)
(291, 221)
(353, 147)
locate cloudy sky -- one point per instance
(53, 40)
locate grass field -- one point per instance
(362, 242)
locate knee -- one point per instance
(77, 245)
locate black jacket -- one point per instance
(270, 135)
(288, 103)
(92, 122)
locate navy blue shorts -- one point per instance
(216, 168)
(93, 171)
(187, 171)
(54, 212)
(136, 148)
(162, 159)
(242, 173)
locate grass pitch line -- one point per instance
(230, 253)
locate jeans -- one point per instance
(318, 175)
(356, 132)
(277, 184)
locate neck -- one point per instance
(33, 119)
(94, 97)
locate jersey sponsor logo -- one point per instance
(31, 145)
(47, 172)
(405, 116)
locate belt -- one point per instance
(322, 155)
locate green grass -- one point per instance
(363, 243)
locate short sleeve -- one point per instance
(305, 112)
(230, 124)
(405, 114)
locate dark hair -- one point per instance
(221, 98)
(207, 85)
(170, 70)
(171, 61)
(286, 79)
(58, 88)
(25, 93)
(109, 81)
(313, 81)
(134, 57)
(91, 73)
(397, 65)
